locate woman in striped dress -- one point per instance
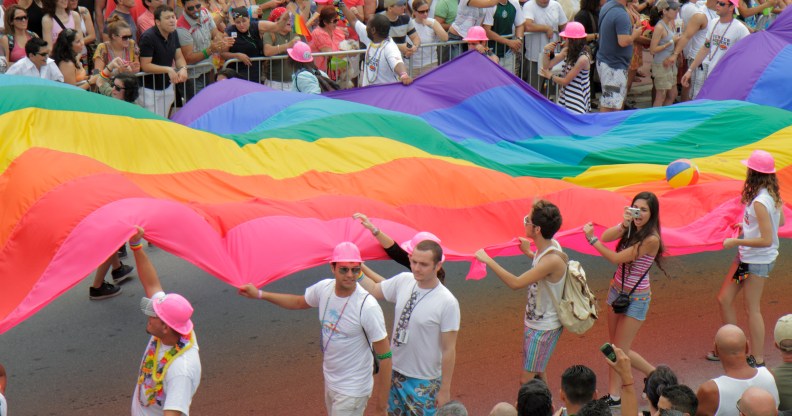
(640, 245)
(574, 79)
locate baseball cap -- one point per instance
(171, 308)
(665, 4)
(389, 3)
(783, 333)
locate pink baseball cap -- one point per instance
(346, 252)
(172, 308)
(410, 244)
(760, 161)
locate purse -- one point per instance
(622, 302)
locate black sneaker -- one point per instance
(122, 273)
(610, 402)
(106, 290)
(122, 252)
(752, 362)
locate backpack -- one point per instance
(325, 84)
(577, 308)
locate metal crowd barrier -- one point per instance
(343, 66)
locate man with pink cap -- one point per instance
(722, 34)
(170, 370)
(353, 331)
(424, 332)
(757, 249)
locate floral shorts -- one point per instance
(412, 396)
(614, 86)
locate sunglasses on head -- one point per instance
(21, 18)
(345, 270)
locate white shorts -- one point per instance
(697, 78)
(158, 101)
(614, 86)
(342, 405)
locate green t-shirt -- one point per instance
(280, 69)
(503, 24)
(447, 10)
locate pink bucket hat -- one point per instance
(476, 34)
(172, 308)
(760, 161)
(346, 252)
(573, 30)
(301, 52)
(410, 244)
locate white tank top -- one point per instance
(730, 389)
(540, 313)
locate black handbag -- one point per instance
(622, 302)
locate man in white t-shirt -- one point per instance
(506, 19)
(696, 17)
(469, 13)
(722, 34)
(352, 321)
(170, 370)
(425, 331)
(544, 19)
(383, 61)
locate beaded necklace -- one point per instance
(720, 40)
(152, 372)
(372, 62)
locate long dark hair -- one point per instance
(755, 181)
(576, 47)
(63, 51)
(635, 236)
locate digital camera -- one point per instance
(634, 212)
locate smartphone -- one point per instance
(678, 30)
(234, 35)
(607, 351)
(635, 212)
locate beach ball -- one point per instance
(682, 172)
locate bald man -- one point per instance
(757, 402)
(719, 396)
(503, 409)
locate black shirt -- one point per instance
(35, 14)
(249, 43)
(162, 52)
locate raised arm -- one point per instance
(146, 271)
(371, 282)
(629, 401)
(283, 300)
(542, 270)
(384, 239)
(650, 245)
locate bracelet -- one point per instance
(205, 54)
(403, 75)
(136, 246)
(593, 240)
(385, 356)
(359, 278)
(627, 385)
(260, 294)
(180, 68)
(375, 232)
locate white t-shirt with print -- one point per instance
(722, 37)
(428, 55)
(436, 311)
(348, 363)
(760, 255)
(181, 382)
(552, 15)
(3, 406)
(379, 63)
(468, 16)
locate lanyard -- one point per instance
(334, 326)
(720, 41)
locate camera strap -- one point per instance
(636, 284)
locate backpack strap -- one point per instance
(360, 319)
(542, 283)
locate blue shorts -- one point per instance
(639, 302)
(760, 270)
(412, 396)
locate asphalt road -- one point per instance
(80, 357)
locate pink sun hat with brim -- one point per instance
(346, 252)
(760, 161)
(476, 34)
(301, 52)
(172, 308)
(410, 244)
(573, 30)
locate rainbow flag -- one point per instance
(299, 27)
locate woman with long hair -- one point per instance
(664, 37)
(120, 45)
(575, 80)
(640, 245)
(66, 54)
(122, 87)
(57, 18)
(86, 28)
(758, 249)
(16, 35)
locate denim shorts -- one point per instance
(761, 270)
(639, 303)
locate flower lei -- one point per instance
(150, 379)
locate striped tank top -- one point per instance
(635, 271)
(576, 96)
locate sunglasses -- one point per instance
(722, 4)
(191, 8)
(43, 54)
(527, 220)
(345, 270)
(422, 11)
(117, 88)
(21, 18)
(127, 37)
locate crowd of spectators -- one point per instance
(253, 37)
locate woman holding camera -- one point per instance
(640, 245)
(758, 249)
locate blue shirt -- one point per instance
(614, 21)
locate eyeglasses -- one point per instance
(345, 270)
(422, 11)
(117, 88)
(191, 8)
(125, 38)
(20, 18)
